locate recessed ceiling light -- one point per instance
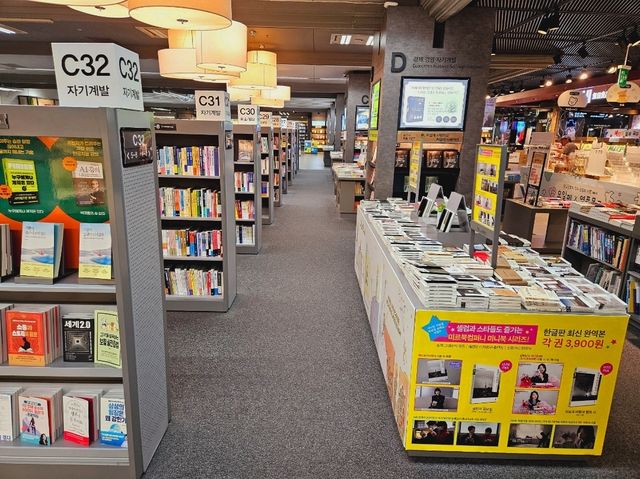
(6, 29)
(345, 39)
(370, 40)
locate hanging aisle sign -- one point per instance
(248, 114)
(213, 105)
(275, 121)
(283, 123)
(265, 119)
(97, 75)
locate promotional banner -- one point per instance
(53, 180)
(414, 164)
(514, 383)
(375, 106)
(433, 103)
(487, 172)
(97, 75)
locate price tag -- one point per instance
(248, 114)
(97, 75)
(213, 105)
(265, 119)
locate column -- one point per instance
(340, 104)
(358, 84)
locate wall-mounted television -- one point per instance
(433, 103)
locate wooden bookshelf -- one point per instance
(249, 133)
(136, 294)
(268, 216)
(190, 133)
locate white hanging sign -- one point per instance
(283, 122)
(265, 119)
(97, 75)
(573, 99)
(213, 105)
(275, 121)
(248, 114)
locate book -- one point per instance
(264, 145)
(107, 338)
(188, 161)
(6, 251)
(40, 416)
(88, 183)
(193, 282)
(245, 151)
(95, 251)
(9, 413)
(78, 337)
(41, 249)
(20, 176)
(32, 335)
(190, 242)
(451, 159)
(113, 420)
(81, 417)
(3, 333)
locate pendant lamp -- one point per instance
(222, 50)
(263, 102)
(278, 93)
(81, 3)
(262, 57)
(182, 14)
(262, 72)
(239, 94)
(179, 60)
(119, 10)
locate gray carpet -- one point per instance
(288, 384)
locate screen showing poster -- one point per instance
(537, 162)
(433, 103)
(485, 201)
(489, 114)
(362, 118)
(375, 105)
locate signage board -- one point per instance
(213, 105)
(275, 121)
(573, 99)
(137, 146)
(97, 75)
(375, 106)
(248, 114)
(265, 119)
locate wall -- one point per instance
(358, 85)
(467, 46)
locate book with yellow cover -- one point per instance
(107, 348)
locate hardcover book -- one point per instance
(95, 251)
(107, 338)
(88, 183)
(77, 333)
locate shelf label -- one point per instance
(137, 148)
(248, 114)
(265, 119)
(213, 105)
(97, 75)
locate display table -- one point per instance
(348, 187)
(484, 364)
(520, 219)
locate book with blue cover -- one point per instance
(41, 249)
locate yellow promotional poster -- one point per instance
(513, 383)
(414, 164)
(485, 199)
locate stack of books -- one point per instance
(535, 298)
(503, 299)
(472, 298)
(40, 415)
(598, 243)
(243, 182)
(33, 334)
(192, 243)
(193, 282)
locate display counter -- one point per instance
(486, 383)
(348, 187)
(543, 226)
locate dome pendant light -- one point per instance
(182, 14)
(222, 50)
(264, 102)
(278, 93)
(240, 94)
(119, 10)
(262, 72)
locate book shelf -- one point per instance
(266, 159)
(284, 164)
(136, 294)
(290, 156)
(296, 148)
(277, 175)
(187, 134)
(248, 133)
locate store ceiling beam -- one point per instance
(505, 75)
(442, 10)
(510, 62)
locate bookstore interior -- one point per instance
(178, 178)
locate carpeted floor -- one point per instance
(287, 384)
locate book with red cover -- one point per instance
(26, 338)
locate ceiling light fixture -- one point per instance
(569, 78)
(370, 40)
(345, 39)
(542, 84)
(584, 74)
(634, 36)
(182, 15)
(7, 31)
(280, 92)
(4, 88)
(583, 51)
(119, 10)
(264, 102)
(543, 28)
(222, 50)
(548, 82)
(553, 23)
(240, 94)
(261, 73)
(512, 88)
(487, 97)
(494, 46)
(557, 58)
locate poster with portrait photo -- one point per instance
(530, 435)
(433, 158)
(451, 159)
(438, 371)
(575, 437)
(586, 384)
(535, 401)
(484, 434)
(440, 398)
(486, 384)
(433, 431)
(539, 375)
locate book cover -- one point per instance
(95, 251)
(245, 151)
(38, 256)
(7, 417)
(76, 420)
(26, 342)
(78, 332)
(88, 183)
(20, 177)
(113, 421)
(107, 338)
(34, 421)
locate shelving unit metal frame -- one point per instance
(290, 160)
(277, 199)
(575, 256)
(268, 215)
(204, 133)
(284, 162)
(250, 132)
(137, 295)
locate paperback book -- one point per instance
(107, 338)
(88, 183)
(9, 413)
(95, 251)
(20, 177)
(81, 417)
(78, 337)
(41, 249)
(113, 420)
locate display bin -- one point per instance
(485, 363)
